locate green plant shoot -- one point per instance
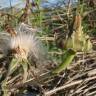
(67, 59)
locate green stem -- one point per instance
(67, 59)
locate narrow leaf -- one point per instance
(67, 59)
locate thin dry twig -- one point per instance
(67, 86)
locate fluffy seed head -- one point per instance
(25, 43)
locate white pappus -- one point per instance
(25, 44)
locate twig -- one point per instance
(47, 38)
(48, 93)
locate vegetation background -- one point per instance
(57, 21)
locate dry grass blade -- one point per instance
(68, 85)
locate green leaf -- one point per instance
(13, 65)
(67, 59)
(4, 88)
(25, 69)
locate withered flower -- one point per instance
(24, 44)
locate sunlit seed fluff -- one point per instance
(25, 43)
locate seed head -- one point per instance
(24, 44)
